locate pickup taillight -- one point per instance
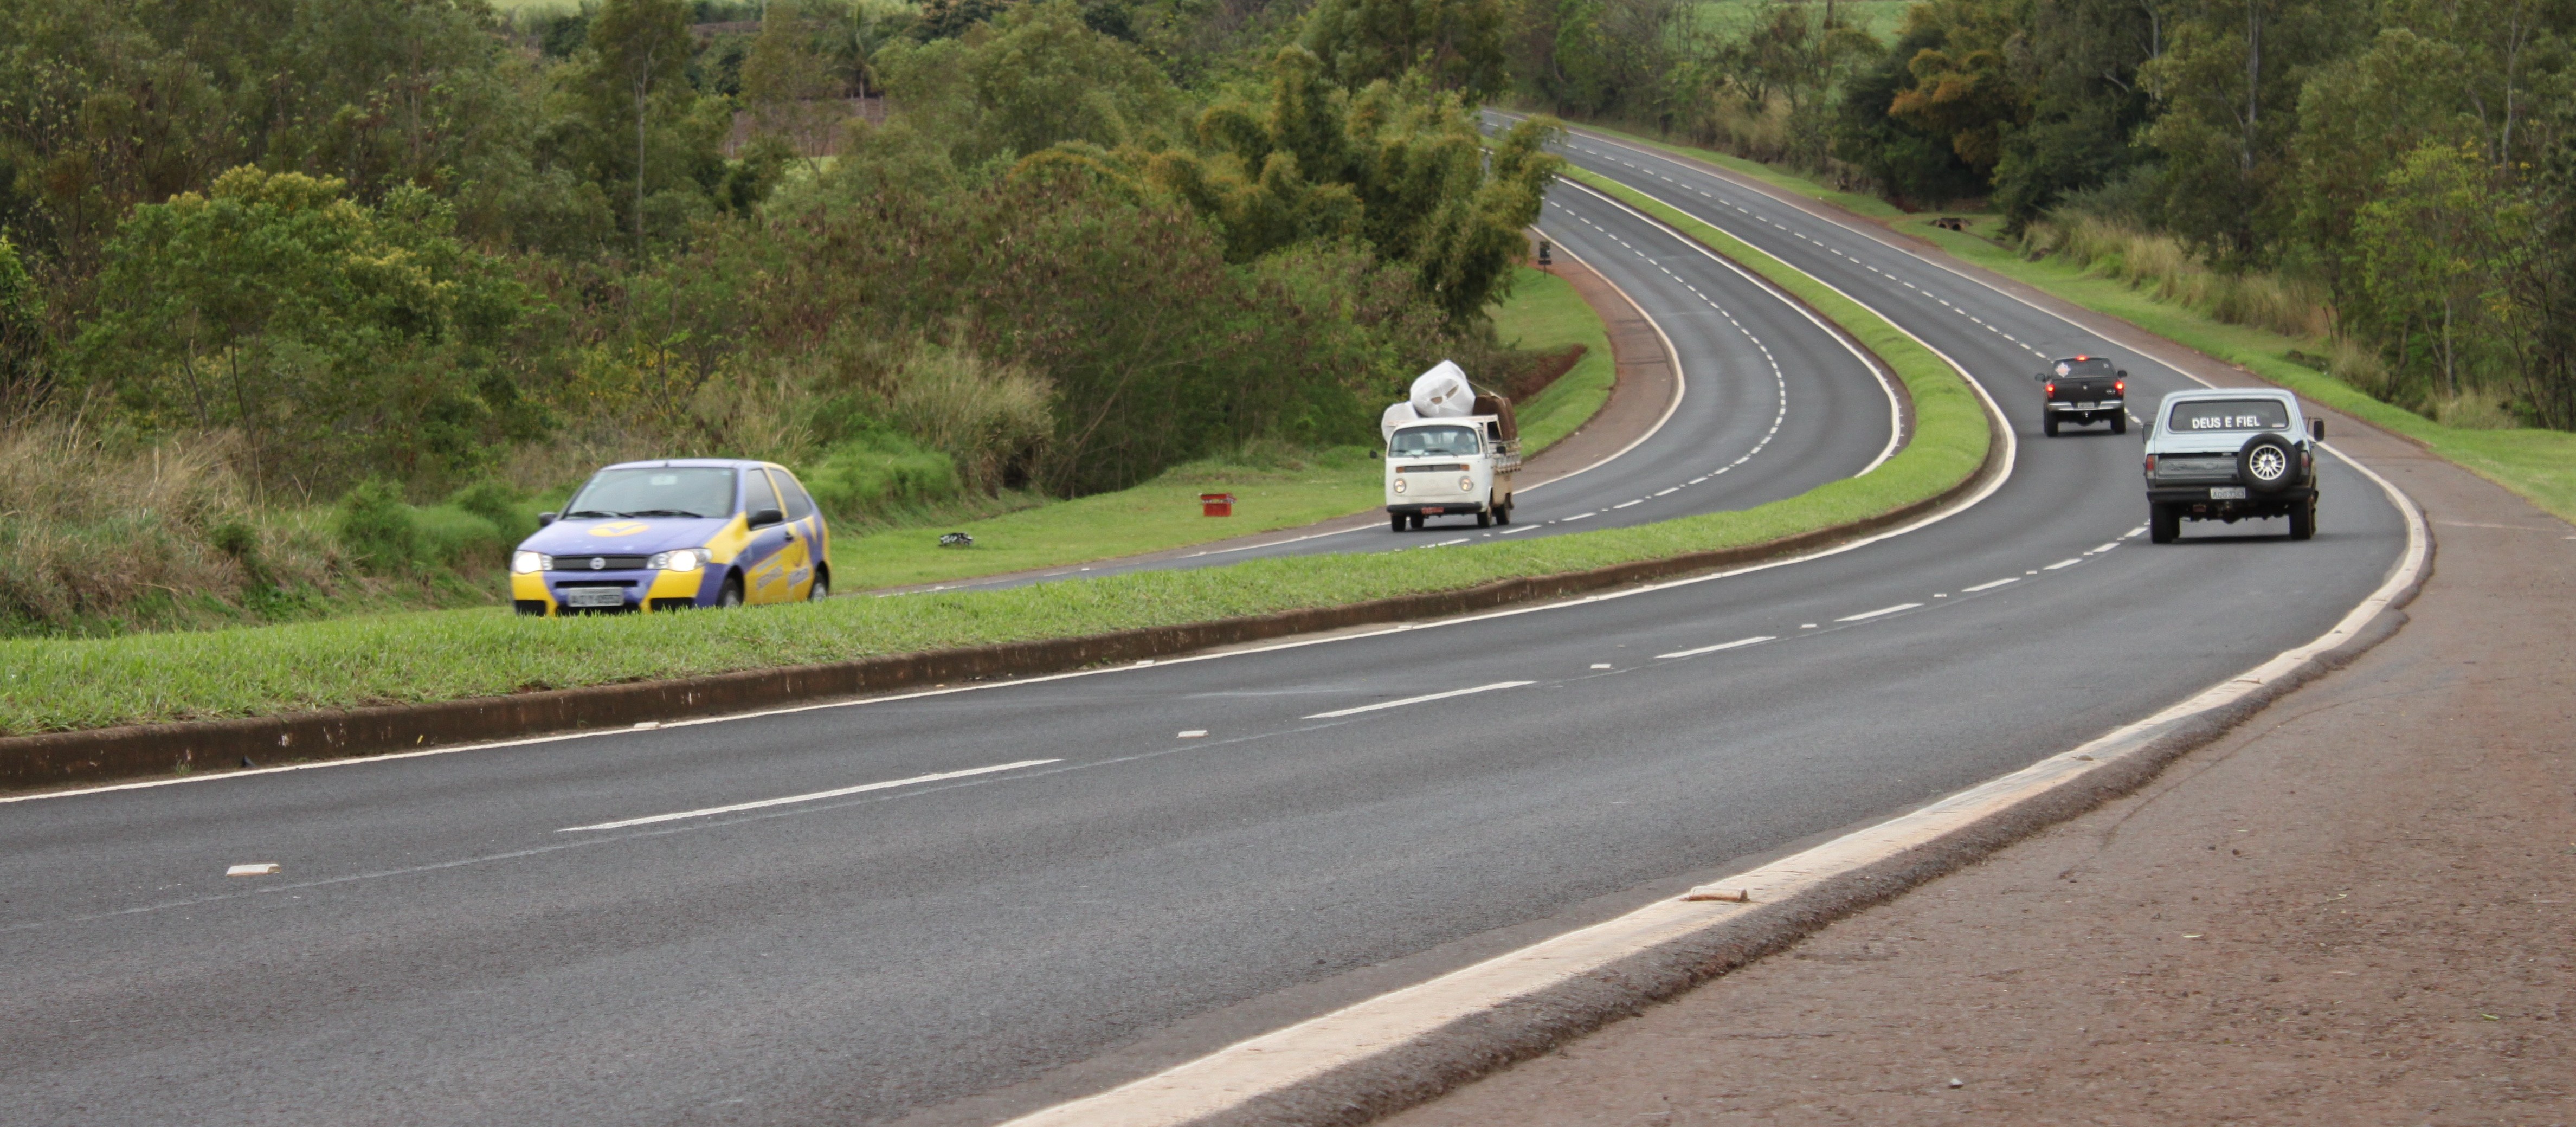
(2151, 463)
(2119, 387)
(2052, 389)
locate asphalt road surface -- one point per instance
(1053, 885)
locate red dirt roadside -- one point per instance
(2359, 907)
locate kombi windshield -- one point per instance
(2202, 415)
(683, 491)
(1433, 442)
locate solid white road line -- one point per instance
(1869, 614)
(1416, 700)
(817, 796)
(1720, 646)
(1990, 586)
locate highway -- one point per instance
(1051, 886)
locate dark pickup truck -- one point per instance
(2081, 391)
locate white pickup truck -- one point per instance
(1450, 451)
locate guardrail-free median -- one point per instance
(153, 703)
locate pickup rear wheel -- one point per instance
(2303, 520)
(2119, 422)
(2048, 425)
(2164, 523)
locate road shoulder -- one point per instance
(2354, 906)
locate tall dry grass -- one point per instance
(2162, 266)
(97, 529)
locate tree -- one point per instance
(792, 89)
(22, 336)
(640, 49)
(2228, 83)
(332, 335)
(1035, 77)
(2434, 249)
(1456, 44)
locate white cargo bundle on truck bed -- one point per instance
(1451, 450)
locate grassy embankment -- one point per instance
(2539, 465)
(1275, 490)
(422, 657)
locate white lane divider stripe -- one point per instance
(1720, 646)
(1990, 586)
(2103, 548)
(817, 796)
(2063, 563)
(1416, 700)
(1878, 612)
(1625, 504)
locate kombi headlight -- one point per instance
(1399, 485)
(529, 563)
(1466, 485)
(684, 559)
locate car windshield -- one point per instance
(1427, 442)
(2228, 414)
(684, 491)
(2085, 366)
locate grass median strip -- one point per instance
(406, 658)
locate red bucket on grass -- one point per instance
(1216, 504)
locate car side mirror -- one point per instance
(2317, 429)
(544, 519)
(763, 518)
(2124, 373)
(2041, 377)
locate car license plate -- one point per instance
(2227, 493)
(1433, 510)
(594, 597)
(2086, 406)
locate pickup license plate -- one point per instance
(2086, 406)
(594, 597)
(2227, 493)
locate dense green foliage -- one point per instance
(2400, 174)
(425, 244)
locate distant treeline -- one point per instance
(2401, 173)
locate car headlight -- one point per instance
(1399, 485)
(1466, 485)
(529, 563)
(685, 559)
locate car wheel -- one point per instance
(2119, 424)
(2164, 523)
(1503, 515)
(1485, 517)
(2303, 520)
(822, 587)
(1414, 522)
(1395, 522)
(2048, 426)
(2267, 463)
(731, 595)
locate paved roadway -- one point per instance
(474, 938)
(1774, 403)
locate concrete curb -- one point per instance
(101, 754)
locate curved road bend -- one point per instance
(609, 928)
(1773, 404)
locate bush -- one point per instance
(377, 528)
(878, 471)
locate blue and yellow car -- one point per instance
(670, 535)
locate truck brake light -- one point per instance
(2151, 463)
(2052, 388)
(2119, 387)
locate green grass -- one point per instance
(1272, 490)
(2540, 465)
(401, 658)
(1545, 314)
